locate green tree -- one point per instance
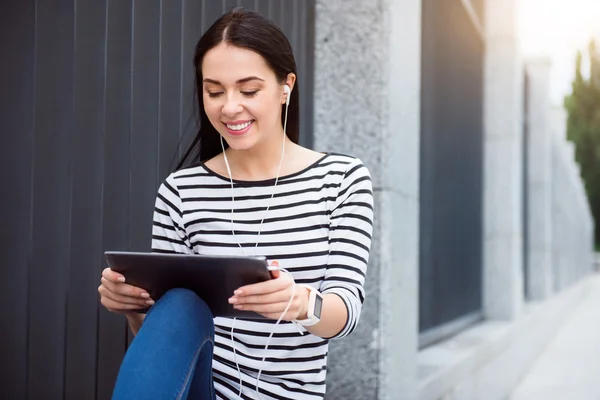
(583, 127)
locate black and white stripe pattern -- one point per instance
(318, 227)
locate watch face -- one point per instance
(318, 306)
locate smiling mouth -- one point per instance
(239, 127)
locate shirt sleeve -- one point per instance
(350, 235)
(168, 231)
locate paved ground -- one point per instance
(569, 369)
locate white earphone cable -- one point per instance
(254, 253)
(289, 304)
(277, 323)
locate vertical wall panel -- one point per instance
(51, 199)
(196, 15)
(263, 7)
(429, 81)
(17, 38)
(451, 166)
(288, 23)
(300, 53)
(115, 190)
(169, 87)
(247, 4)
(275, 8)
(228, 5)
(86, 205)
(305, 57)
(144, 121)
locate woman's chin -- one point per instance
(240, 143)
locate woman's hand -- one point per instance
(270, 298)
(119, 297)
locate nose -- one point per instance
(231, 106)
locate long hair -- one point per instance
(252, 31)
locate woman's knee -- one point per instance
(185, 303)
(180, 295)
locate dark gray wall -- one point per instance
(451, 165)
(96, 97)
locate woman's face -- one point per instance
(242, 97)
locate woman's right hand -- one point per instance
(118, 297)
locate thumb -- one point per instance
(275, 273)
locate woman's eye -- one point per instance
(214, 94)
(250, 94)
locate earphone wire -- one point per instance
(254, 253)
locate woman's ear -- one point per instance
(290, 81)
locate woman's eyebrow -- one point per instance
(243, 80)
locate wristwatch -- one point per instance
(315, 306)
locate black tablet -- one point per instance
(212, 278)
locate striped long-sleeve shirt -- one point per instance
(318, 227)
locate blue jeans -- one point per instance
(171, 356)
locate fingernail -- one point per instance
(145, 295)
(121, 279)
(150, 302)
(237, 292)
(233, 300)
(238, 307)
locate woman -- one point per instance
(252, 191)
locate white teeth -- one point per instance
(239, 127)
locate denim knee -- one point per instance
(185, 303)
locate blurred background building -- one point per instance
(484, 236)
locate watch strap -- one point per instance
(311, 318)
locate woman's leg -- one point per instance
(171, 356)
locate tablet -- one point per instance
(212, 278)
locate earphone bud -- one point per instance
(287, 90)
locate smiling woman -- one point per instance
(252, 191)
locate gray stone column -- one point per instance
(367, 84)
(539, 181)
(503, 167)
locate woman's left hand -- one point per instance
(270, 298)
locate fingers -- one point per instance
(117, 296)
(125, 289)
(272, 286)
(112, 276)
(275, 273)
(115, 306)
(277, 297)
(269, 298)
(271, 305)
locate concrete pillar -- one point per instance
(503, 194)
(559, 192)
(539, 181)
(367, 85)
